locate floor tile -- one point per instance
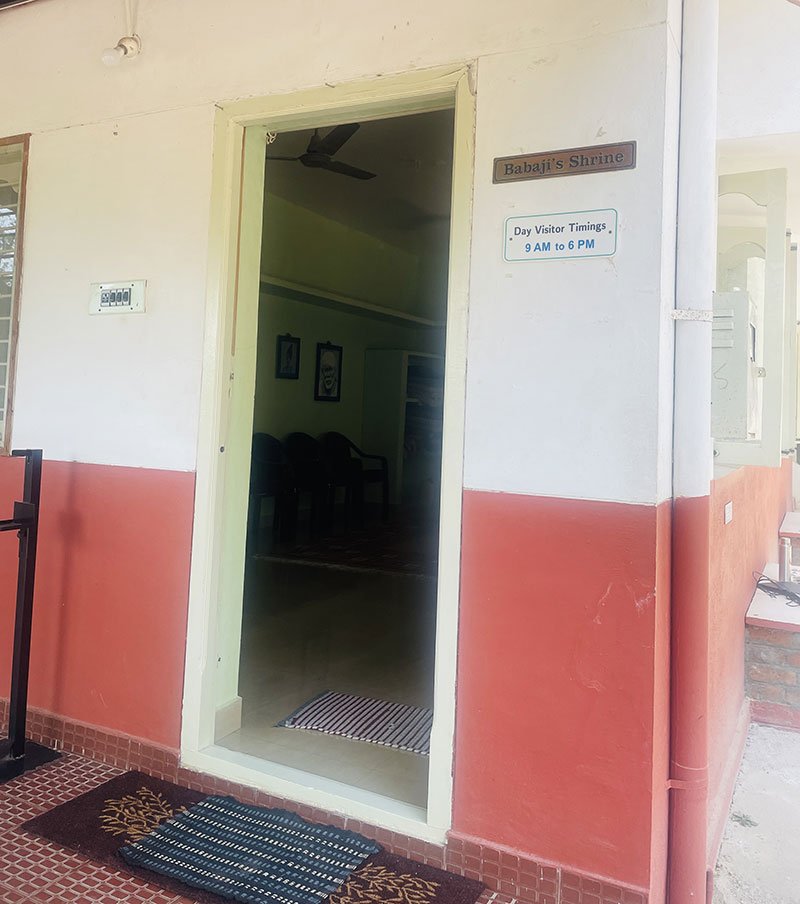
(33, 871)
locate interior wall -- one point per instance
(302, 247)
(284, 406)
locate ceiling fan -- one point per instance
(320, 150)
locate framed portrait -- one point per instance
(287, 358)
(328, 378)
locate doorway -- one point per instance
(216, 611)
(337, 656)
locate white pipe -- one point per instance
(696, 253)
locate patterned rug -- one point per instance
(97, 824)
(251, 854)
(364, 719)
(394, 548)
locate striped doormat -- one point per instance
(251, 854)
(363, 719)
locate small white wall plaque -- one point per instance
(560, 236)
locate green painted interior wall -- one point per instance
(284, 406)
(302, 247)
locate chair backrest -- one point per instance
(267, 448)
(336, 447)
(302, 448)
(267, 464)
(309, 467)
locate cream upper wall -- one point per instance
(759, 81)
(568, 361)
(106, 203)
(204, 51)
(569, 380)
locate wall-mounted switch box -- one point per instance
(729, 512)
(118, 297)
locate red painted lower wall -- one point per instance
(562, 727)
(761, 497)
(561, 716)
(111, 599)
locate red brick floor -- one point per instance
(33, 871)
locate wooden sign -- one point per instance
(599, 158)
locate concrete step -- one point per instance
(790, 526)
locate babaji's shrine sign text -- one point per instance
(598, 158)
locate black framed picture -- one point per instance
(287, 358)
(328, 378)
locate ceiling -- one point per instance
(407, 203)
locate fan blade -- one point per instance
(331, 143)
(271, 157)
(346, 170)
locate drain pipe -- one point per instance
(695, 277)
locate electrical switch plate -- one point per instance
(118, 297)
(729, 512)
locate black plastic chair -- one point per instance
(310, 475)
(346, 469)
(270, 477)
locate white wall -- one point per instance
(113, 201)
(566, 394)
(563, 392)
(759, 76)
(203, 51)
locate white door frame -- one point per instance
(232, 298)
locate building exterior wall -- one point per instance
(562, 672)
(740, 549)
(111, 588)
(573, 616)
(772, 679)
(758, 90)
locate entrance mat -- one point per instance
(396, 880)
(119, 811)
(364, 719)
(251, 854)
(97, 824)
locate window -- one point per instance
(754, 350)
(13, 160)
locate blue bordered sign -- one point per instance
(560, 236)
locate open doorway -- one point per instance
(337, 661)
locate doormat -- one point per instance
(251, 854)
(387, 879)
(364, 719)
(97, 824)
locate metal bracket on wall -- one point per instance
(703, 315)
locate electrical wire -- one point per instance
(128, 18)
(775, 588)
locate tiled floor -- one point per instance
(308, 629)
(37, 872)
(33, 871)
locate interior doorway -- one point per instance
(338, 631)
